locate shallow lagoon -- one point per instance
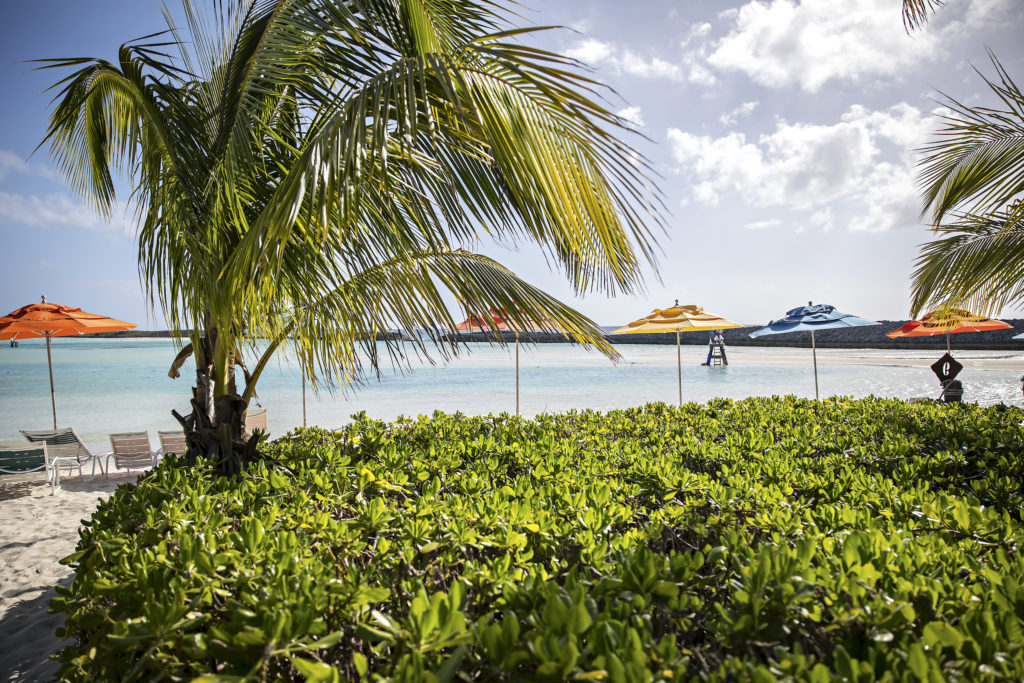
(106, 385)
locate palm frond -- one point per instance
(509, 146)
(976, 162)
(338, 332)
(915, 12)
(976, 264)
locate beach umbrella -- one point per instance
(500, 320)
(53, 320)
(808, 319)
(677, 319)
(947, 322)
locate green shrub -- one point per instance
(760, 539)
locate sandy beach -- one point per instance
(38, 530)
(992, 361)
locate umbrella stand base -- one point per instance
(952, 391)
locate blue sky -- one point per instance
(783, 131)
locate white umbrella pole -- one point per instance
(303, 398)
(517, 373)
(49, 363)
(814, 354)
(679, 364)
(947, 342)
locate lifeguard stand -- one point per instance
(716, 350)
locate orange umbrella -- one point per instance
(53, 320)
(947, 322)
(498, 320)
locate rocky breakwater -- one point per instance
(869, 337)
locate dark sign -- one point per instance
(946, 368)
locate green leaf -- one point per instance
(447, 671)
(918, 661)
(940, 634)
(360, 663)
(316, 672)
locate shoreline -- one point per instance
(127, 378)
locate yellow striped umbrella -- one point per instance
(678, 319)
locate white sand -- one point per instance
(840, 357)
(36, 531)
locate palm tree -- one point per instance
(310, 171)
(973, 177)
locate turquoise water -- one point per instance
(109, 385)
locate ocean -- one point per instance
(111, 385)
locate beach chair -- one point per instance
(131, 451)
(18, 463)
(172, 442)
(255, 419)
(65, 448)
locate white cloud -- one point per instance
(54, 210)
(12, 163)
(761, 225)
(740, 112)
(807, 167)
(822, 219)
(697, 32)
(781, 43)
(621, 59)
(648, 67)
(590, 51)
(633, 115)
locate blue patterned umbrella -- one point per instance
(810, 318)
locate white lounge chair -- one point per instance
(65, 448)
(131, 451)
(172, 442)
(18, 463)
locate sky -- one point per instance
(783, 132)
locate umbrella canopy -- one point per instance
(677, 319)
(53, 320)
(499, 320)
(808, 319)
(947, 322)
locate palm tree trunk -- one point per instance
(214, 428)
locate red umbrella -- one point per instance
(53, 320)
(498, 320)
(947, 322)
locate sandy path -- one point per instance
(36, 530)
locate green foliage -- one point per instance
(753, 540)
